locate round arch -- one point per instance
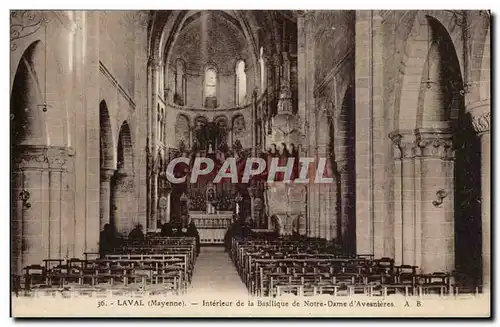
(164, 41)
(409, 95)
(182, 130)
(28, 122)
(106, 138)
(125, 153)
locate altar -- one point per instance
(212, 227)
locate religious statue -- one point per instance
(285, 100)
(210, 199)
(182, 146)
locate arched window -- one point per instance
(241, 83)
(210, 93)
(180, 83)
(262, 70)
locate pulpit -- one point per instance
(211, 227)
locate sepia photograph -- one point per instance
(250, 163)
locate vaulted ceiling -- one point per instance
(211, 37)
(166, 26)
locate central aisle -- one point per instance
(215, 273)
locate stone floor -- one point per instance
(215, 274)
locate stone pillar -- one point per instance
(167, 210)
(406, 227)
(345, 235)
(302, 57)
(125, 216)
(398, 199)
(155, 72)
(141, 96)
(481, 120)
(113, 203)
(154, 200)
(334, 210)
(252, 122)
(364, 136)
(105, 196)
(382, 158)
(307, 112)
(434, 155)
(323, 197)
(42, 204)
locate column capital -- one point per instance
(125, 182)
(106, 174)
(481, 116)
(44, 157)
(433, 142)
(154, 63)
(403, 144)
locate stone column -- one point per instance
(382, 159)
(105, 196)
(406, 227)
(42, 206)
(481, 120)
(167, 210)
(364, 138)
(141, 96)
(323, 196)
(252, 122)
(125, 215)
(434, 154)
(155, 71)
(307, 112)
(154, 200)
(113, 203)
(302, 58)
(342, 169)
(346, 236)
(334, 209)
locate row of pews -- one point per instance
(155, 265)
(310, 267)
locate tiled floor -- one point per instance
(214, 272)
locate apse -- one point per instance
(208, 60)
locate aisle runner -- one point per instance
(214, 273)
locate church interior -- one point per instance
(397, 102)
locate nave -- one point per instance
(256, 264)
(214, 273)
(403, 126)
